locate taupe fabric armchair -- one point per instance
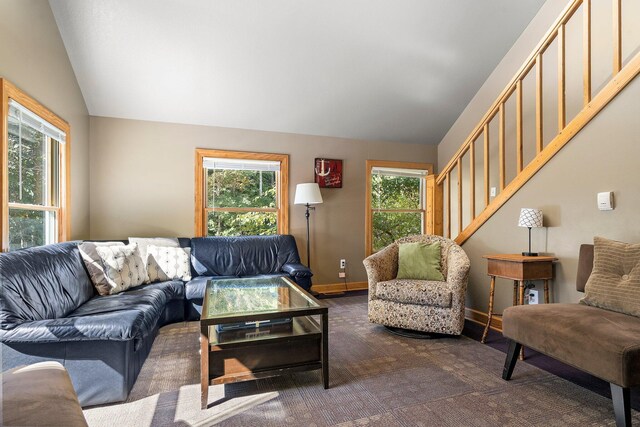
(420, 305)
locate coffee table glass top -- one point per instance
(233, 297)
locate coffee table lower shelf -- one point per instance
(250, 354)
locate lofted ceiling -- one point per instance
(392, 70)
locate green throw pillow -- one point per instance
(419, 261)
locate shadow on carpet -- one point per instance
(376, 379)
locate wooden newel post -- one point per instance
(435, 213)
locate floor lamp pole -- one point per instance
(306, 215)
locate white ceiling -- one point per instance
(395, 70)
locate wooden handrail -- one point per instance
(520, 74)
(592, 105)
(615, 86)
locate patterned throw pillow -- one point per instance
(94, 264)
(168, 263)
(123, 267)
(614, 283)
(144, 242)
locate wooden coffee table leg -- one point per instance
(204, 367)
(325, 350)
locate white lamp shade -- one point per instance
(308, 193)
(530, 218)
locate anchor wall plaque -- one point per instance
(328, 173)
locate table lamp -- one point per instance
(308, 194)
(530, 218)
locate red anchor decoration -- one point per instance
(328, 173)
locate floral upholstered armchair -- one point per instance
(420, 305)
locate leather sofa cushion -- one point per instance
(602, 342)
(174, 289)
(194, 289)
(45, 282)
(242, 255)
(40, 395)
(421, 292)
(120, 317)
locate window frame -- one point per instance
(63, 212)
(369, 210)
(282, 185)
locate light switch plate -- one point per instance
(605, 201)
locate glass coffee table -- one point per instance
(260, 327)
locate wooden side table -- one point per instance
(520, 269)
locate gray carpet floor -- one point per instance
(376, 378)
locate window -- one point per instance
(35, 164)
(396, 201)
(240, 193)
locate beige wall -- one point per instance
(33, 57)
(602, 157)
(142, 183)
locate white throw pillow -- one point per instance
(168, 263)
(123, 267)
(94, 264)
(143, 242)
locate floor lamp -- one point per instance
(308, 194)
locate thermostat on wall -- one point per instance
(605, 201)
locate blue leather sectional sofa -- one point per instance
(49, 309)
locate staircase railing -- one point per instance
(454, 172)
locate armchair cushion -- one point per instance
(419, 260)
(408, 291)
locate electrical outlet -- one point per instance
(342, 275)
(343, 264)
(532, 296)
(493, 192)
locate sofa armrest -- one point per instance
(295, 269)
(381, 266)
(458, 266)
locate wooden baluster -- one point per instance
(501, 154)
(460, 194)
(472, 180)
(449, 205)
(561, 79)
(486, 165)
(539, 126)
(519, 155)
(586, 51)
(617, 36)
